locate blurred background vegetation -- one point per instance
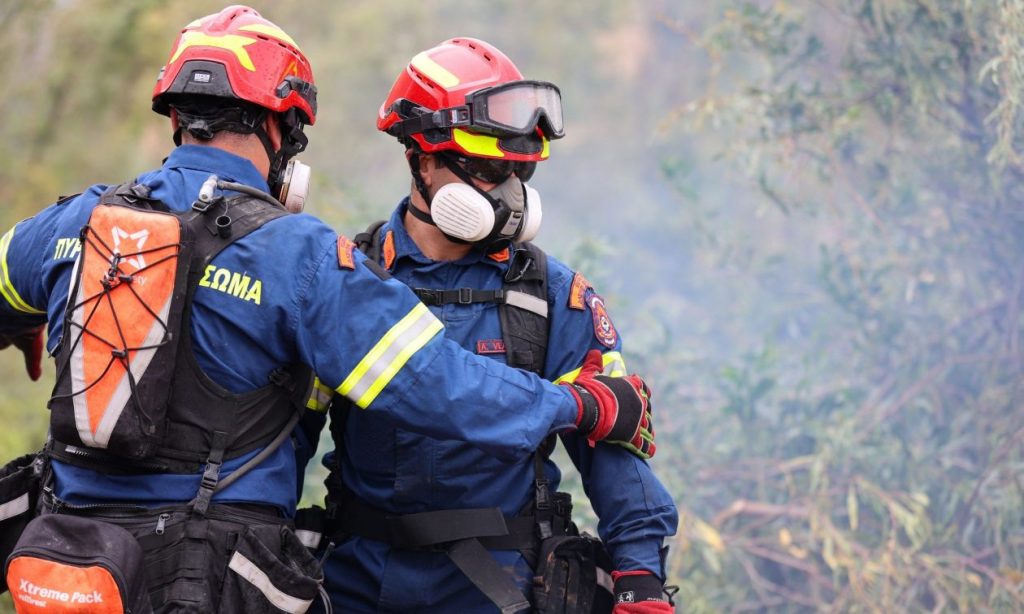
(806, 217)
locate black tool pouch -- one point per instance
(66, 563)
(19, 492)
(230, 560)
(573, 575)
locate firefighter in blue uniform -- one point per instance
(238, 92)
(474, 130)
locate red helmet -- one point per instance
(238, 54)
(467, 97)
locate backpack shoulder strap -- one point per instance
(369, 241)
(524, 313)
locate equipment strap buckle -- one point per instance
(465, 296)
(211, 475)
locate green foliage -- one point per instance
(874, 462)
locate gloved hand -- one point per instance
(30, 343)
(615, 409)
(639, 592)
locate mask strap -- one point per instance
(293, 142)
(414, 167)
(421, 215)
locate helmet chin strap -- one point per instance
(293, 142)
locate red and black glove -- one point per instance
(640, 592)
(613, 409)
(31, 345)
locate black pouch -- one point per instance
(573, 576)
(230, 560)
(19, 492)
(271, 571)
(66, 563)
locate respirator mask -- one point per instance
(510, 211)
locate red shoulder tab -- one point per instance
(389, 250)
(578, 291)
(500, 256)
(345, 248)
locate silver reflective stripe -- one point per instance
(255, 576)
(604, 580)
(389, 355)
(528, 302)
(309, 539)
(14, 507)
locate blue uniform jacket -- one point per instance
(404, 472)
(368, 339)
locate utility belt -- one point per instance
(436, 530)
(572, 571)
(124, 558)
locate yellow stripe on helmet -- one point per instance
(269, 30)
(614, 366)
(434, 71)
(477, 144)
(385, 359)
(232, 42)
(6, 287)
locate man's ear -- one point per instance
(427, 164)
(273, 127)
(174, 119)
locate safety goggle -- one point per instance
(518, 107)
(514, 108)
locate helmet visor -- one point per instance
(519, 107)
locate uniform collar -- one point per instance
(227, 166)
(405, 247)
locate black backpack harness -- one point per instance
(178, 419)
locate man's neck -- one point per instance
(429, 238)
(248, 147)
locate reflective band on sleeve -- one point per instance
(604, 580)
(6, 287)
(14, 507)
(528, 302)
(319, 396)
(309, 539)
(256, 576)
(390, 354)
(614, 366)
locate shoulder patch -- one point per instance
(389, 249)
(604, 330)
(345, 248)
(500, 256)
(578, 291)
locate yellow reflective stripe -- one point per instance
(6, 287)
(613, 365)
(544, 153)
(320, 396)
(262, 28)
(389, 355)
(434, 71)
(478, 144)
